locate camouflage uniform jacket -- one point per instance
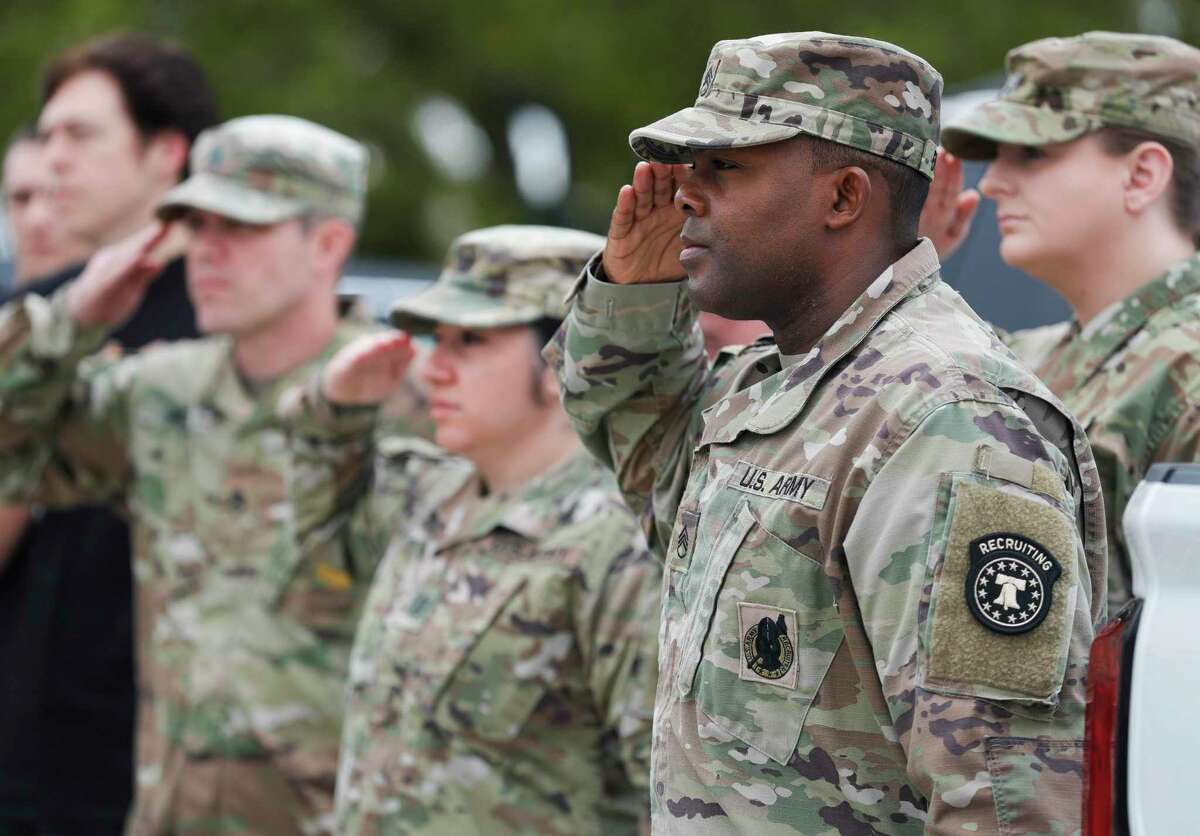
(819, 668)
(1132, 378)
(245, 612)
(503, 675)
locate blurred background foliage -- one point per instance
(437, 89)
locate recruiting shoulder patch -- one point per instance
(1010, 583)
(1001, 599)
(802, 488)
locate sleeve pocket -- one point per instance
(1037, 785)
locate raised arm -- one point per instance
(332, 424)
(630, 358)
(63, 412)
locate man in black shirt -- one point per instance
(118, 117)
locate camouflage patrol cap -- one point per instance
(1059, 89)
(268, 169)
(502, 275)
(859, 92)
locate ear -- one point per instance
(851, 188)
(332, 242)
(1148, 176)
(166, 153)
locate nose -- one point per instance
(205, 243)
(54, 146)
(996, 181)
(438, 368)
(41, 209)
(689, 194)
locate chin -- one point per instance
(1019, 253)
(702, 294)
(451, 439)
(211, 323)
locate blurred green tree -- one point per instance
(604, 67)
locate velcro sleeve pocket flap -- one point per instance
(1003, 596)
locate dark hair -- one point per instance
(907, 187)
(543, 331)
(1185, 176)
(163, 86)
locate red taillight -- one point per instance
(1106, 724)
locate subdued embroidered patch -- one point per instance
(1018, 532)
(683, 540)
(802, 488)
(768, 649)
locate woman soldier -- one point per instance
(502, 678)
(1094, 145)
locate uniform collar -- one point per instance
(1089, 346)
(226, 394)
(532, 512)
(768, 406)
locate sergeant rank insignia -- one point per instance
(768, 652)
(1010, 583)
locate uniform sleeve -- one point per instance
(632, 372)
(330, 482)
(974, 601)
(64, 413)
(356, 469)
(617, 630)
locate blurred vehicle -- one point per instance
(1141, 773)
(377, 293)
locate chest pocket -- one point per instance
(763, 633)
(504, 664)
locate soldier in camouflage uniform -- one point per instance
(503, 675)
(245, 611)
(884, 538)
(1095, 142)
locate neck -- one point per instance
(540, 449)
(138, 216)
(831, 290)
(294, 339)
(1104, 275)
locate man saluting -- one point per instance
(838, 480)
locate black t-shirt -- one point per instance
(67, 694)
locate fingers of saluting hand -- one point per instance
(964, 212)
(947, 180)
(387, 347)
(664, 185)
(622, 216)
(643, 190)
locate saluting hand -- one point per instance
(115, 280)
(368, 370)
(949, 209)
(643, 236)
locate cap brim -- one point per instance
(975, 134)
(672, 139)
(444, 304)
(227, 198)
